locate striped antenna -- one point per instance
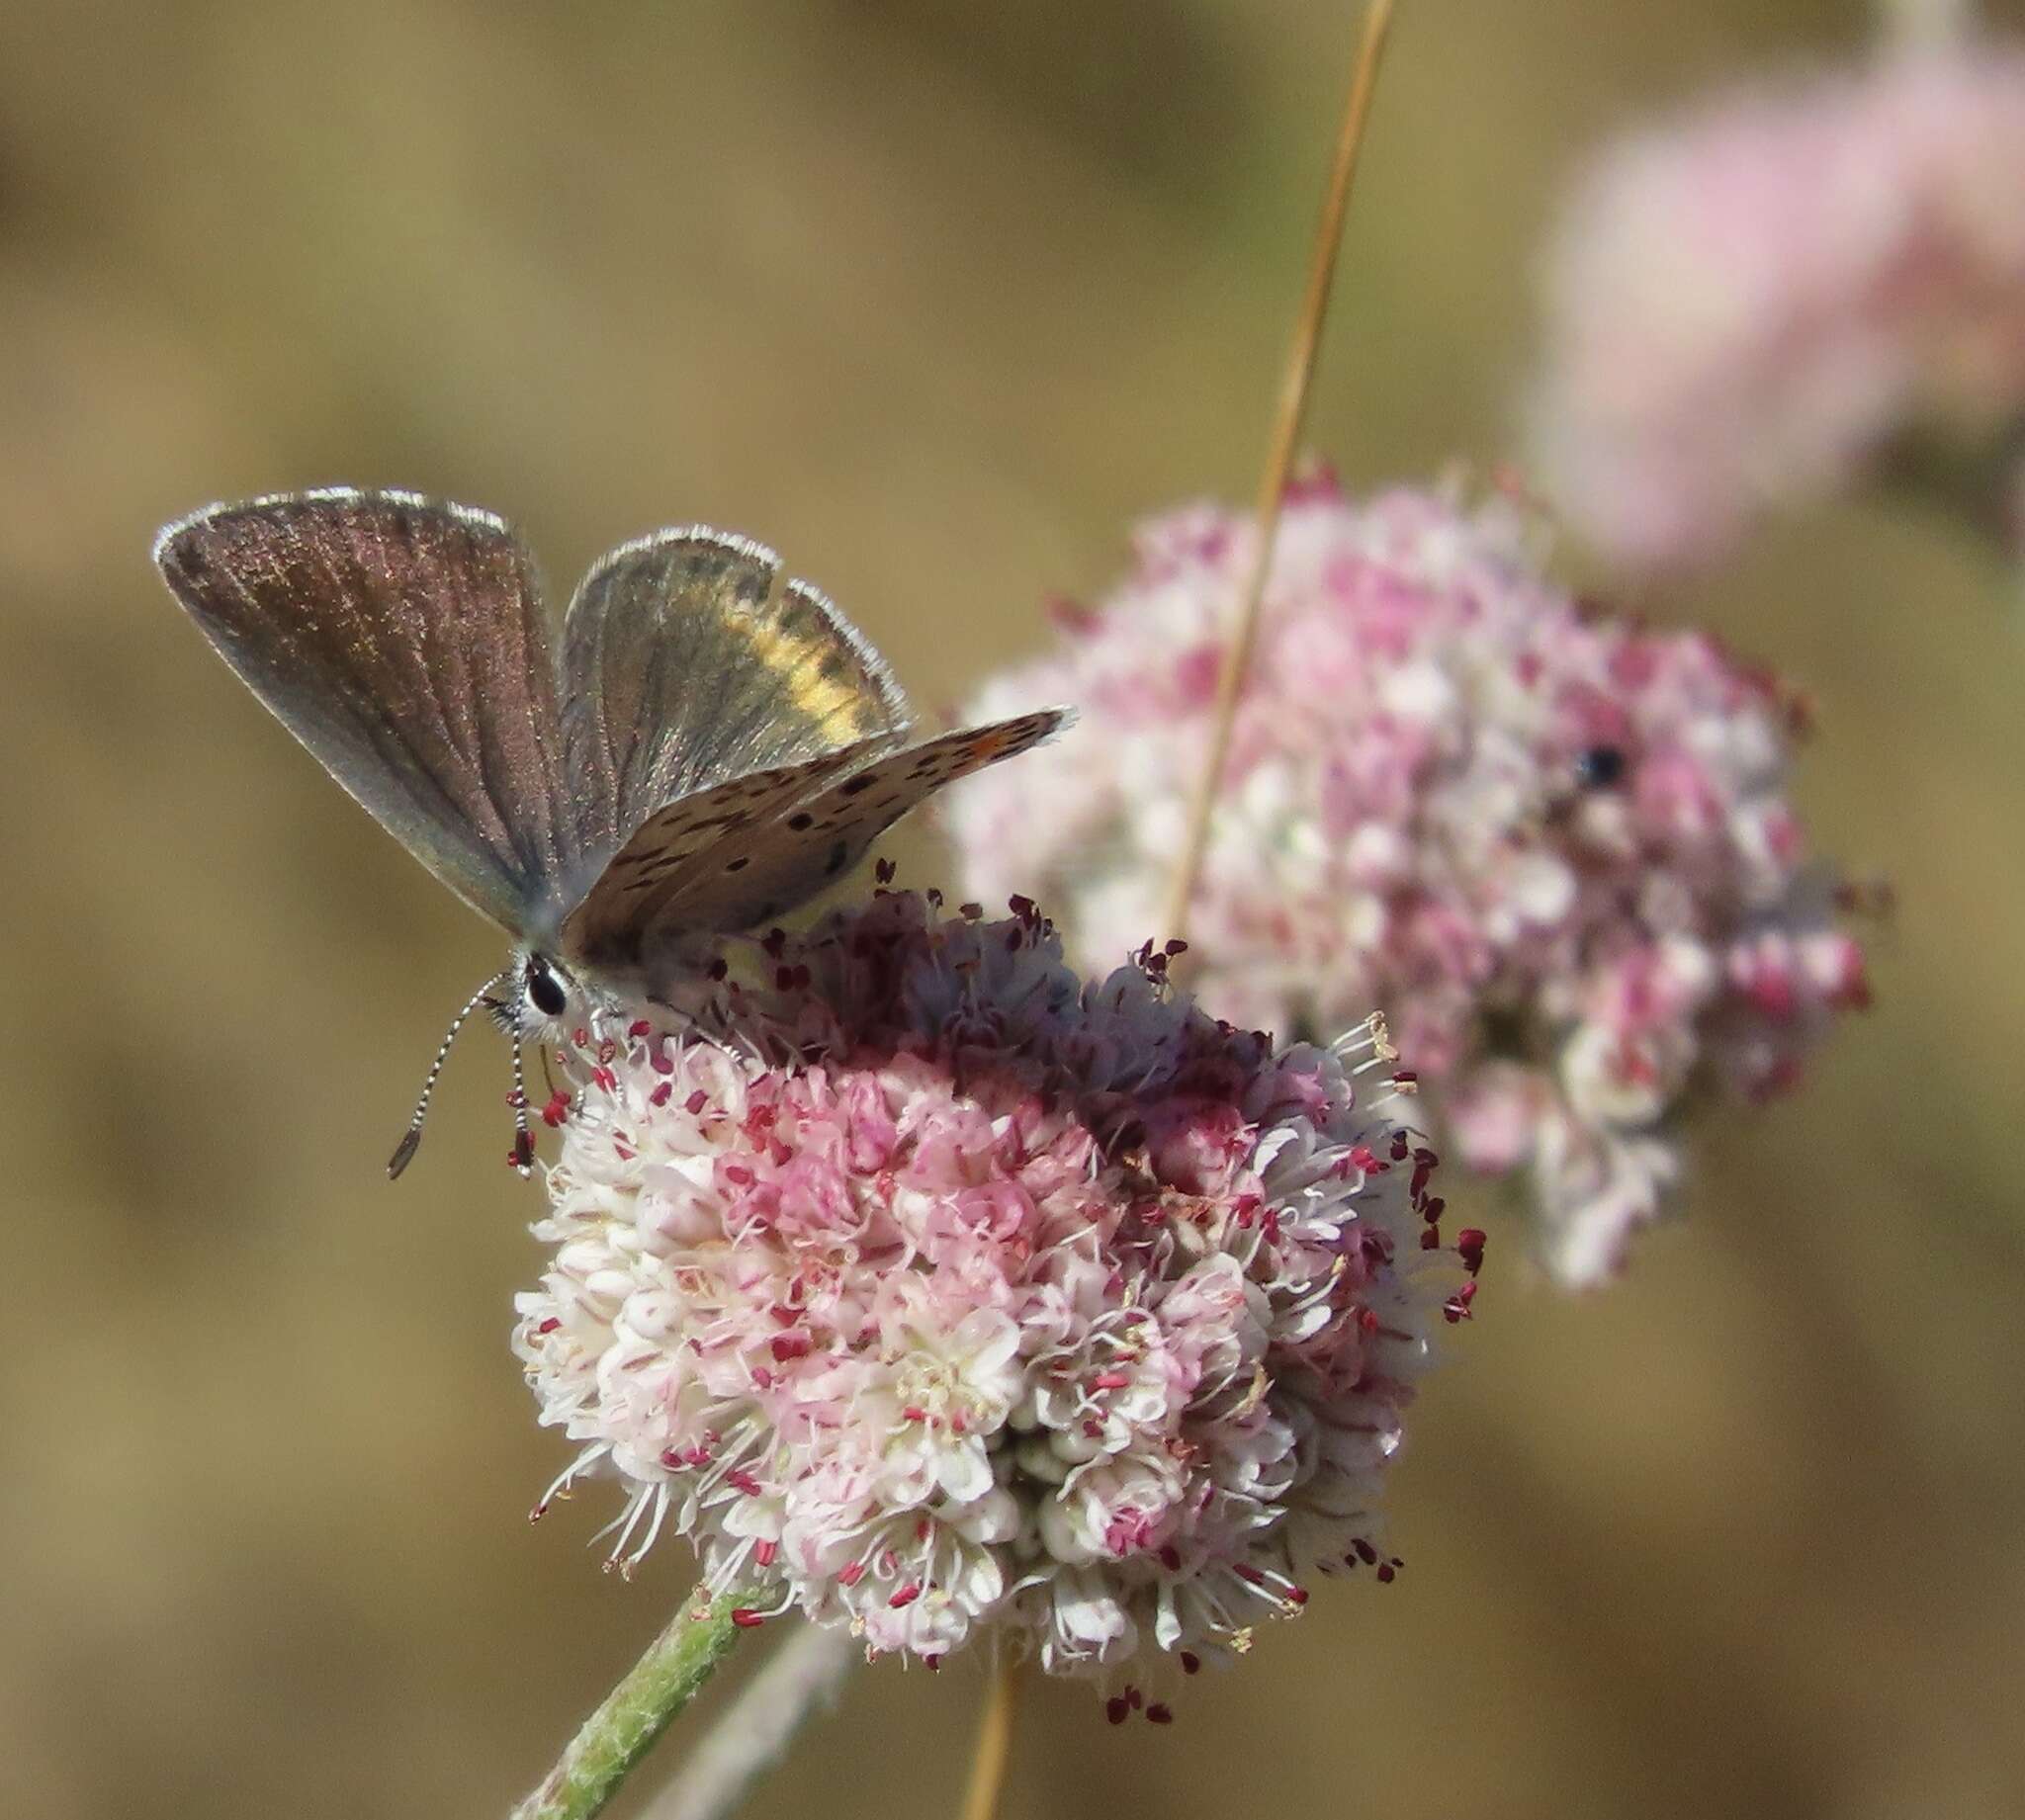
(523, 1139)
(404, 1151)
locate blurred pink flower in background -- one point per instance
(1751, 304)
(948, 1294)
(1554, 848)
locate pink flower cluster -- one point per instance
(1556, 848)
(1747, 305)
(938, 1292)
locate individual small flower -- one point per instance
(949, 1294)
(1555, 847)
(1752, 304)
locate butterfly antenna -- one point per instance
(523, 1139)
(404, 1151)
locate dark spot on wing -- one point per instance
(739, 864)
(838, 855)
(853, 786)
(799, 821)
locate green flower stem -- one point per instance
(637, 1711)
(752, 1735)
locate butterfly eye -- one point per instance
(545, 991)
(1600, 767)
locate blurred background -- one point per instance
(937, 300)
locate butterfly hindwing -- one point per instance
(767, 865)
(403, 641)
(686, 664)
(676, 844)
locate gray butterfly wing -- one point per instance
(402, 641)
(769, 863)
(685, 666)
(674, 845)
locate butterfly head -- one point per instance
(546, 998)
(532, 998)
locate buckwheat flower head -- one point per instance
(1751, 303)
(949, 1294)
(1556, 847)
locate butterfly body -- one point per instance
(710, 747)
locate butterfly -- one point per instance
(712, 746)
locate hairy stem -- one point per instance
(803, 1675)
(637, 1711)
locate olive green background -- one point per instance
(936, 299)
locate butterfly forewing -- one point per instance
(403, 643)
(725, 747)
(685, 667)
(768, 864)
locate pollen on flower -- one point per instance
(951, 1293)
(1557, 846)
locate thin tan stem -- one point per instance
(993, 1744)
(1287, 431)
(1925, 24)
